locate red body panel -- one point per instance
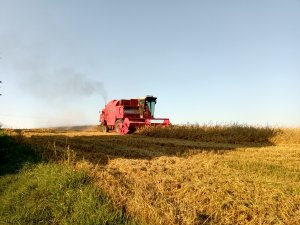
(126, 115)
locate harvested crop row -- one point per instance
(208, 188)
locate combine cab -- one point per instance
(125, 115)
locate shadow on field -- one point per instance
(14, 154)
(102, 148)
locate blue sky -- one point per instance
(206, 61)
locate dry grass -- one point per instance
(177, 177)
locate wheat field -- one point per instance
(187, 174)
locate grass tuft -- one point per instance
(54, 194)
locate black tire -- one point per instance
(117, 123)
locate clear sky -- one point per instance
(210, 61)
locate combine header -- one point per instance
(125, 115)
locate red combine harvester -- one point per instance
(125, 115)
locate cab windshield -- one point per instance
(151, 105)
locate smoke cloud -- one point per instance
(58, 92)
(39, 72)
(58, 97)
(63, 85)
(48, 85)
(64, 95)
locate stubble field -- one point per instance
(186, 174)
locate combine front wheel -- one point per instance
(118, 125)
(104, 128)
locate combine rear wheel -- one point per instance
(122, 126)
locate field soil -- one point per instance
(182, 180)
